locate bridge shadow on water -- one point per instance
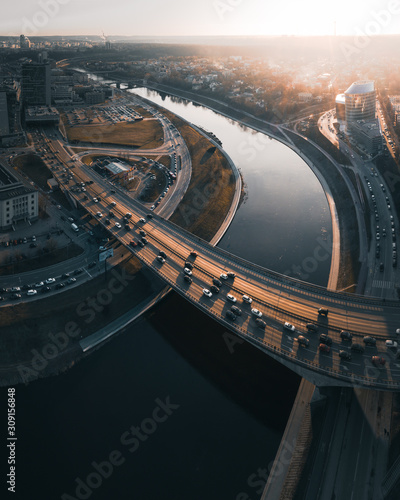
(260, 385)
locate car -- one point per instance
(217, 282)
(247, 299)
(391, 344)
(223, 276)
(303, 341)
(260, 323)
(133, 243)
(207, 292)
(64, 276)
(193, 253)
(113, 204)
(99, 214)
(187, 271)
(381, 267)
(107, 221)
(142, 220)
(236, 310)
(15, 296)
(163, 254)
(322, 311)
(39, 284)
(344, 335)
(15, 289)
(324, 348)
(33, 238)
(60, 285)
(78, 271)
(188, 265)
(231, 275)
(70, 281)
(117, 225)
(45, 289)
(325, 339)
(289, 327)
(140, 243)
(144, 240)
(128, 215)
(92, 264)
(214, 289)
(31, 292)
(230, 315)
(33, 245)
(344, 354)
(231, 298)
(127, 227)
(369, 341)
(311, 327)
(111, 214)
(49, 281)
(143, 233)
(160, 259)
(149, 216)
(378, 360)
(187, 278)
(112, 191)
(95, 200)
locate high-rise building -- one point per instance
(24, 42)
(4, 123)
(360, 100)
(36, 84)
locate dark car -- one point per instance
(322, 311)
(378, 360)
(231, 275)
(127, 227)
(111, 214)
(133, 243)
(214, 289)
(15, 296)
(193, 253)
(344, 335)
(325, 339)
(140, 243)
(92, 264)
(143, 233)
(144, 240)
(65, 276)
(149, 216)
(303, 340)
(45, 289)
(107, 221)
(357, 348)
(236, 310)
(344, 354)
(311, 327)
(260, 323)
(217, 282)
(230, 315)
(188, 279)
(163, 254)
(78, 271)
(188, 265)
(369, 341)
(324, 348)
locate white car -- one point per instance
(290, 327)
(142, 220)
(187, 271)
(118, 225)
(113, 203)
(31, 292)
(256, 312)
(99, 214)
(49, 281)
(40, 284)
(231, 298)
(223, 276)
(95, 200)
(207, 292)
(247, 299)
(391, 344)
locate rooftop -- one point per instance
(361, 87)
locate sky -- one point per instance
(205, 17)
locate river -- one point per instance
(178, 405)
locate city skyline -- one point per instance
(214, 17)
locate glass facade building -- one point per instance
(360, 99)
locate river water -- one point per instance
(182, 409)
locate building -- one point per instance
(368, 134)
(4, 123)
(41, 115)
(36, 84)
(341, 108)
(24, 42)
(360, 101)
(17, 201)
(95, 97)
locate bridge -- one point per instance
(279, 298)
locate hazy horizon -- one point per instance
(218, 18)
